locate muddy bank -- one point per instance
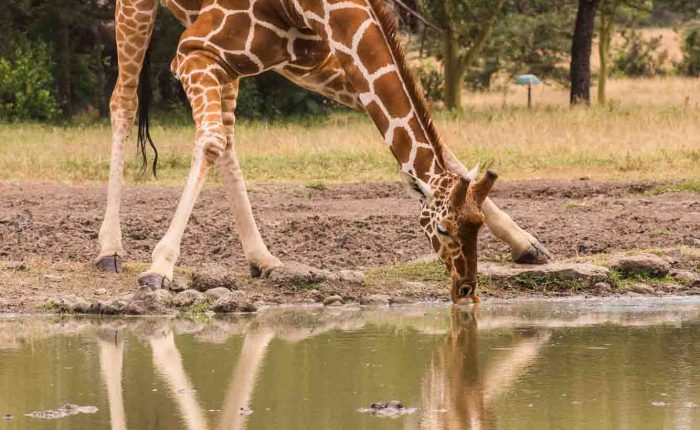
(53, 228)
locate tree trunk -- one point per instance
(581, 52)
(608, 9)
(454, 73)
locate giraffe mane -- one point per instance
(415, 91)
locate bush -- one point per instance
(690, 65)
(26, 84)
(640, 57)
(432, 81)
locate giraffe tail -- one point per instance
(145, 94)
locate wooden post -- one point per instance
(422, 41)
(529, 96)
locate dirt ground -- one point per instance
(352, 226)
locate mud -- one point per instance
(351, 226)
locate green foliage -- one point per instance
(640, 56)
(432, 81)
(26, 83)
(690, 65)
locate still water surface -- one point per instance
(529, 365)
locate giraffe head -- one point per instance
(451, 218)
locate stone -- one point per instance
(333, 300)
(113, 307)
(586, 272)
(148, 302)
(297, 273)
(314, 295)
(685, 276)
(179, 284)
(670, 288)
(188, 298)
(695, 291)
(644, 264)
(100, 292)
(352, 276)
(603, 288)
(213, 275)
(53, 278)
(398, 300)
(233, 301)
(641, 288)
(217, 293)
(375, 300)
(14, 265)
(70, 304)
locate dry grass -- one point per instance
(651, 130)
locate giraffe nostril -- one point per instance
(464, 291)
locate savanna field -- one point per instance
(648, 130)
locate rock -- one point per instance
(211, 276)
(8, 417)
(179, 284)
(645, 264)
(685, 276)
(69, 304)
(641, 288)
(670, 288)
(297, 273)
(603, 288)
(14, 265)
(53, 278)
(391, 409)
(188, 298)
(375, 300)
(100, 292)
(113, 307)
(165, 297)
(148, 302)
(217, 293)
(314, 295)
(352, 276)
(233, 301)
(399, 300)
(334, 300)
(586, 272)
(695, 291)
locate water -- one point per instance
(531, 365)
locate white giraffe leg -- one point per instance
(525, 248)
(256, 252)
(240, 389)
(168, 363)
(134, 21)
(203, 79)
(111, 343)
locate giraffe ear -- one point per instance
(416, 187)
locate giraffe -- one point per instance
(346, 50)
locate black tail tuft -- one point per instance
(144, 135)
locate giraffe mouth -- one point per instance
(463, 289)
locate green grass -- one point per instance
(657, 138)
(690, 186)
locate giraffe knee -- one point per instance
(213, 146)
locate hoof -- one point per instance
(154, 281)
(255, 271)
(536, 254)
(110, 263)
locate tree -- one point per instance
(581, 52)
(467, 26)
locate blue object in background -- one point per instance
(528, 80)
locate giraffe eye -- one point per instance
(441, 230)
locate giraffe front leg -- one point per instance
(133, 27)
(261, 261)
(525, 248)
(202, 78)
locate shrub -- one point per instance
(26, 83)
(690, 65)
(639, 56)
(432, 81)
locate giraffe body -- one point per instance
(344, 49)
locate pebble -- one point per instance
(100, 291)
(352, 276)
(233, 301)
(375, 300)
(641, 288)
(188, 298)
(334, 300)
(217, 292)
(643, 263)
